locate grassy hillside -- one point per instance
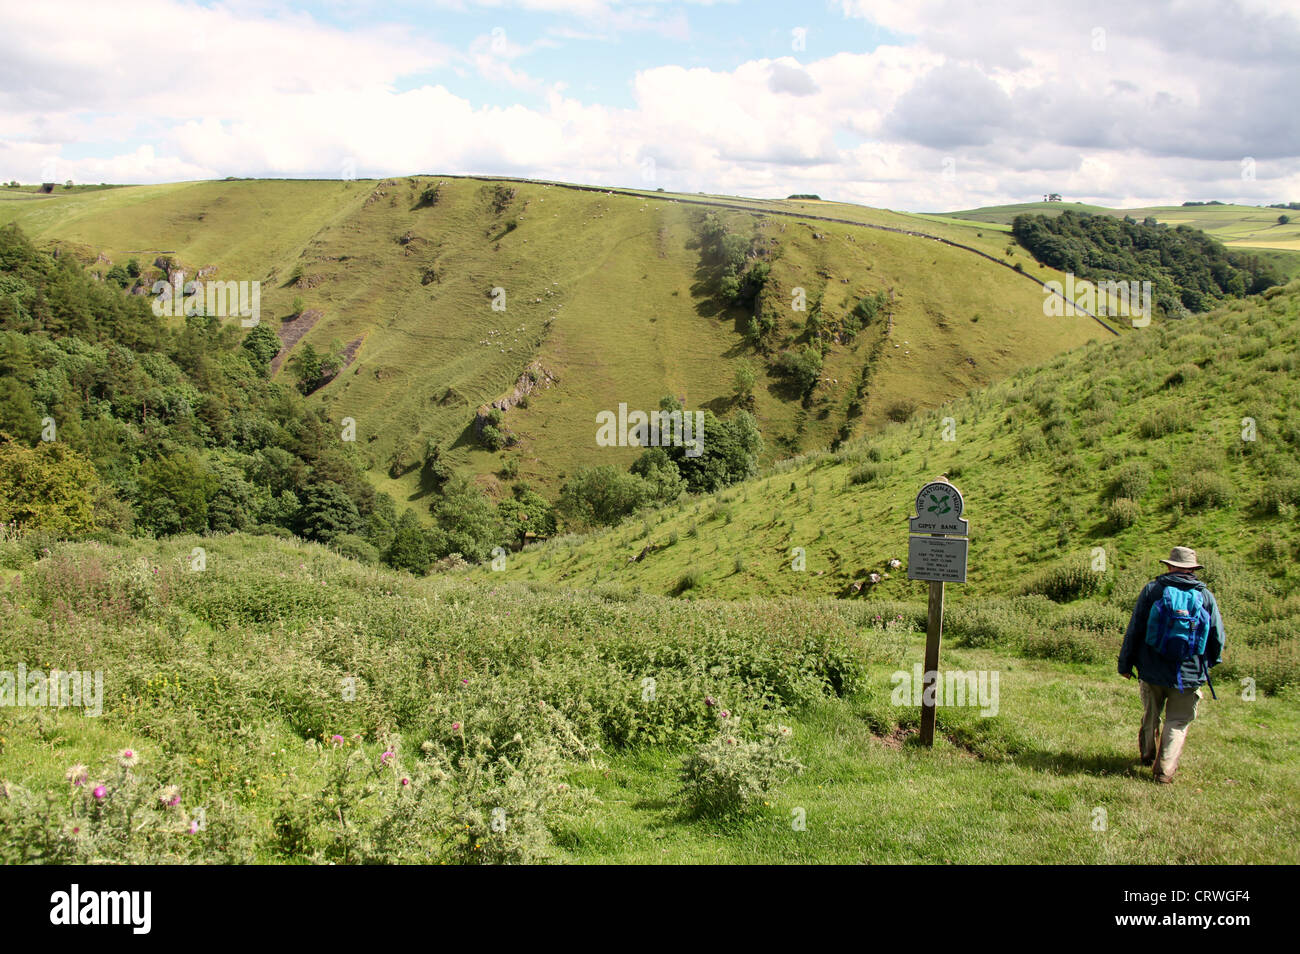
(1155, 420)
(604, 292)
(286, 705)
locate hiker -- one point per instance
(1174, 637)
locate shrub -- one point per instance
(1160, 422)
(1204, 489)
(867, 473)
(1097, 618)
(730, 776)
(802, 367)
(1123, 513)
(1030, 443)
(900, 411)
(1064, 581)
(1068, 644)
(1130, 481)
(354, 548)
(692, 579)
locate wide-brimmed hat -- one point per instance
(1182, 558)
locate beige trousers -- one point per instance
(1163, 751)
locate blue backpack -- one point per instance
(1178, 626)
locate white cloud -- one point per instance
(1023, 104)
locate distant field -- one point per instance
(1237, 226)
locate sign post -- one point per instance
(938, 556)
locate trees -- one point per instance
(326, 512)
(261, 345)
(313, 369)
(174, 494)
(410, 549)
(743, 382)
(50, 487)
(730, 453)
(1186, 267)
(802, 367)
(602, 495)
(468, 520)
(526, 511)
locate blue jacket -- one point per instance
(1151, 666)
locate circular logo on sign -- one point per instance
(939, 500)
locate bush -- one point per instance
(1160, 422)
(1063, 582)
(1068, 645)
(900, 411)
(1123, 513)
(867, 473)
(730, 776)
(692, 579)
(1204, 489)
(1030, 443)
(1130, 481)
(1100, 618)
(354, 548)
(803, 367)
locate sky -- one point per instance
(919, 105)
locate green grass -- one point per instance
(603, 289)
(217, 680)
(1034, 457)
(867, 799)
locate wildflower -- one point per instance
(710, 701)
(455, 727)
(194, 827)
(170, 796)
(100, 791)
(337, 740)
(464, 682)
(784, 730)
(730, 740)
(386, 757)
(77, 775)
(127, 758)
(405, 782)
(724, 714)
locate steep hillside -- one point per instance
(1179, 434)
(606, 301)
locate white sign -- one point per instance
(939, 503)
(937, 559)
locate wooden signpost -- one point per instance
(936, 551)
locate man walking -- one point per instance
(1173, 638)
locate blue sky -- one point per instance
(909, 104)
